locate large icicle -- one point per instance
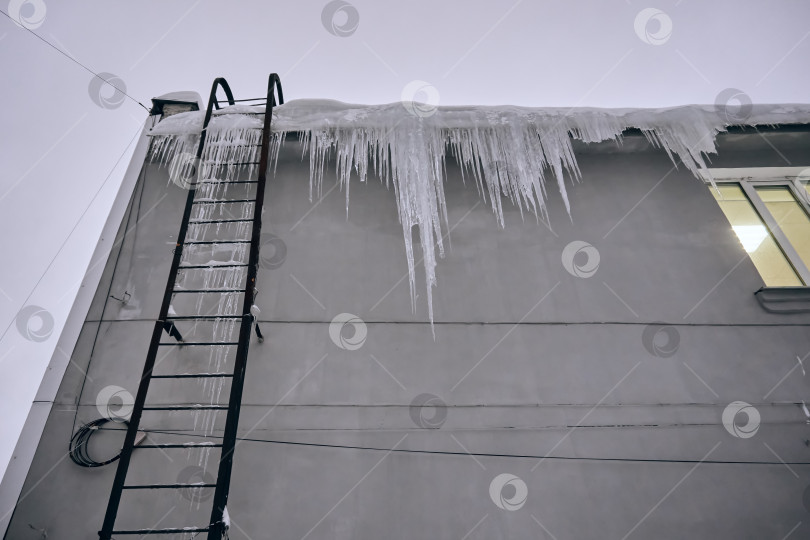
(509, 151)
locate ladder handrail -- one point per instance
(209, 110)
(274, 82)
(212, 99)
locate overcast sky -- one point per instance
(62, 136)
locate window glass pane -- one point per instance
(728, 192)
(775, 194)
(755, 238)
(790, 216)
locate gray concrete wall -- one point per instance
(528, 360)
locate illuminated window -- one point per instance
(772, 223)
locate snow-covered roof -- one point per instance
(589, 124)
(182, 97)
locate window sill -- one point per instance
(784, 299)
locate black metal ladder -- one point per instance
(168, 325)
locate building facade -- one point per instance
(611, 374)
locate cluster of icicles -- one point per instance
(509, 151)
(209, 266)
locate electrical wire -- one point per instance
(131, 208)
(78, 450)
(486, 454)
(63, 53)
(70, 234)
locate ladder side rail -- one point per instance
(143, 387)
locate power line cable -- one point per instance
(482, 454)
(63, 53)
(70, 234)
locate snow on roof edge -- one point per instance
(511, 152)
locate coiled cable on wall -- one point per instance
(78, 445)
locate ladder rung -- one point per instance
(193, 376)
(199, 243)
(218, 145)
(187, 408)
(204, 291)
(170, 486)
(180, 445)
(193, 222)
(195, 317)
(143, 532)
(218, 201)
(231, 163)
(238, 145)
(228, 182)
(204, 343)
(191, 266)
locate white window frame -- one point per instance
(749, 178)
